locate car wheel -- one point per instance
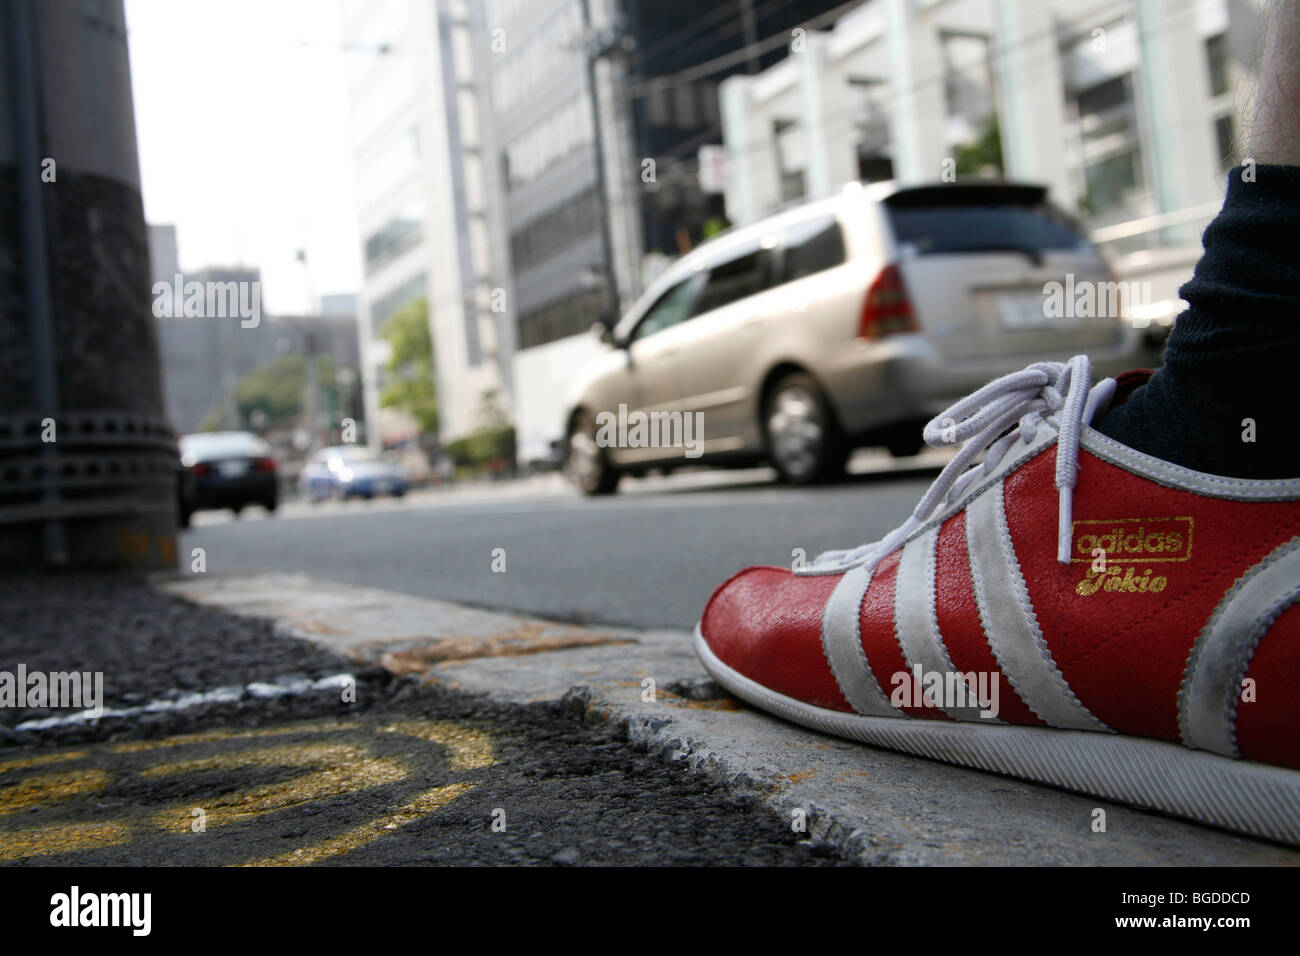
(803, 440)
(185, 517)
(587, 464)
(270, 506)
(236, 510)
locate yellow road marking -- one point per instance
(425, 803)
(288, 755)
(213, 736)
(62, 838)
(40, 760)
(48, 787)
(470, 749)
(335, 769)
(361, 774)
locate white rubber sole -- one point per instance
(1241, 795)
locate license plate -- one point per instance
(233, 469)
(1025, 311)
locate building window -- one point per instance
(547, 142)
(386, 306)
(1111, 180)
(1108, 132)
(393, 238)
(1224, 132)
(555, 231)
(559, 320)
(1221, 106)
(792, 185)
(1216, 52)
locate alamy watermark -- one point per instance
(53, 689)
(208, 300)
(131, 911)
(1092, 299)
(654, 429)
(949, 690)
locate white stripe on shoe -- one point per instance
(842, 644)
(1010, 625)
(916, 623)
(1211, 687)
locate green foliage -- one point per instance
(494, 439)
(411, 365)
(985, 154)
(484, 446)
(275, 389)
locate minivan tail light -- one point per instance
(264, 464)
(887, 309)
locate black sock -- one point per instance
(1232, 363)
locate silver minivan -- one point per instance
(842, 322)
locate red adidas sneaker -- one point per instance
(1068, 611)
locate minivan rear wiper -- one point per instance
(1033, 253)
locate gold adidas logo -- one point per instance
(1115, 547)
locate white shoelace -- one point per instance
(980, 419)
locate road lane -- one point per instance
(646, 559)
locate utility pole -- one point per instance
(310, 335)
(607, 43)
(596, 47)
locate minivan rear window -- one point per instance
(965, 227)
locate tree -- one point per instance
(984, 156)
(494, 439)
(411, 365)
(275, 389)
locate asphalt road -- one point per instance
(286, 766)
(647, 557)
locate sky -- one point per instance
(241, 117)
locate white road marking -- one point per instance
(281, 687)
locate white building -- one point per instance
(1123, 108)
(422, 183)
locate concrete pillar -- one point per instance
(918, 111)
(1175, 84)
(753, 181)
(826, 116)
(1031, 97)
(88, 456)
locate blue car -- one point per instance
(350, 471)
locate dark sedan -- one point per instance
(226, 470)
